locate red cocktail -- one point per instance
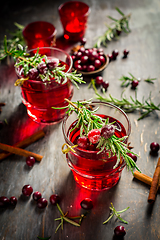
(74, 16)
(93, 170)
(39, 34)
(40, 96)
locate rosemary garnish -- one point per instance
(113, 30)
(13, 42)
(129, 105)
(127, 80)
(117, 214)
(88, 120)
(64, 217)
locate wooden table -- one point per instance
(52, 174)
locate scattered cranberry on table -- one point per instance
(30, 161)
(54, 199)
(13, 201)
(154, 146)
(4, 202)
(86, 204)
(42, 203)
(36, 195)
(27, 190)
(115, 53)
(125, 53)
(134, 83)
(105, 85)
(120, 231)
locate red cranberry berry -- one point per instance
(134, 157)
(154, 146)
(27, 190)
(94, 135)
(30, 161)
(52, 63)
(42, 68)
(78, 67)
(99, 80)
(97, 63)
(83, 41)
(82, 50)
(93, 56)
(36, 196)
(54, 199)
(120, 231)
(125, 53)
(42, 203)
(4, 202)
(101, 58)
(105, 85)
(86, 204)
(90, 68)
(82, 142)
(134, 83)
(33, 73)
(107, 131)
(114, 54)
(13, 201)
(84, 59)
(110, 57)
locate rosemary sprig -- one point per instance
(117, 214)
(13, 42)
(64, 217)
(88, 120)
(150, 80)
(129, 105)
(114, 28)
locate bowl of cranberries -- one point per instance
(89, 61)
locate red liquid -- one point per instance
(39, 98)
(91, 170)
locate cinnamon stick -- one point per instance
(154, 184)
(20, 151)
(24, 143)
(143, 178)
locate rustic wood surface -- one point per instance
(52, 174)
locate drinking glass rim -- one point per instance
(85, 14)
(96, 102)
(52, 48)
(29, 24)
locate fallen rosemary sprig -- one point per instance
(64, 217)
(129, 105)
(117, 214)
(88, 120)
(127, 80)
(12, 43)
(113, 30)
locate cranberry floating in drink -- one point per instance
(74, 16)
(97, 165)
(39, 34)
(45, 81)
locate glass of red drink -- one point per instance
(39, 34)
(91, 170)
(74, 16)
(39, 97)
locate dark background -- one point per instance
(52, 174)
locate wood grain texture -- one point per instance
(52, 174)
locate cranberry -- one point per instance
(93, 55)
(30, 161)
(42, 68)
(97, 63)
(110, 57)
(101, 59)
(27, 190)
(94, 135)
(33, 73)
(84, 59)
(105, 85)
(4, 201)
(134, 83)
(54, 199)
(134, 157)
(52, 63)
(86, 204)
(13, 201)
(78, 67)
(154, 146)
(99, 80)
(42, 203)
(86, 52)
(84, 68)
(90, 68)
(78, 55)
(125, 53)
(107, 131)
(82, 142)
(114, 54)
(77, 62)
(83, 41)
(120, 231)
(82, 50)
(37, 195)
